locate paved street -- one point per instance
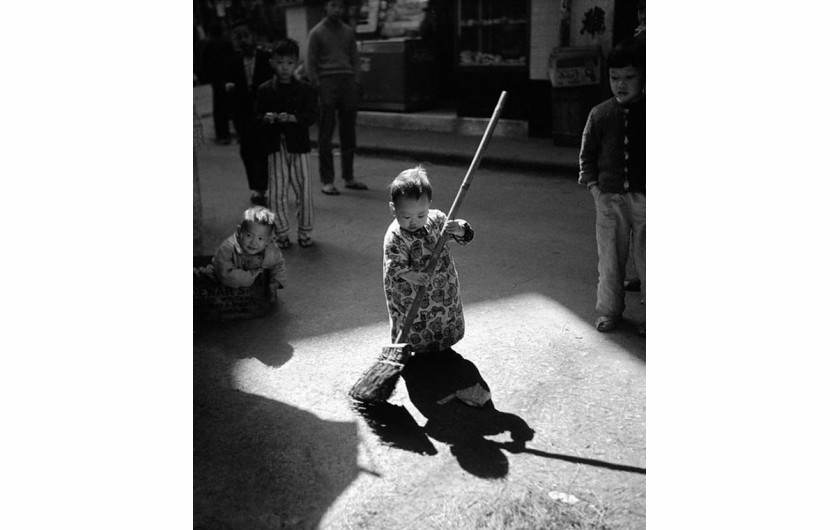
(277, 444)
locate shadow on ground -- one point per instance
(251, 470)
(259, 463)
(265, 343)
(429, 379)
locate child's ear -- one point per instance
(393, 210)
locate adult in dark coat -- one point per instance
(248, 70)
(214, 64)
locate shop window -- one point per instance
(492, 33)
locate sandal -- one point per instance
(305, 241)
(606, 324)
(329, 189)
(284, 243)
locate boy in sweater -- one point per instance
(612, 167)
(332, 64)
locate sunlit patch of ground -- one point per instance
(581, 392)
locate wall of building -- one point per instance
(559, 112)
(545, 35)
(545, 30)
(579, 9)
(297, 25)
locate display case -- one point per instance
(397, 75)
(491, 56)
(493, 33)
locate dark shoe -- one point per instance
(355, 185)
(633, 285)
(330, 189)
(283, 243)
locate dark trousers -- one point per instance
(339, 95)
(255, 158)
(221, 112)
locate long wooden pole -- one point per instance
(453, 211)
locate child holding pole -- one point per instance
(408, 247)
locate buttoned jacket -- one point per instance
(612, 150)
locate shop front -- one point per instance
(399, 49)
(459, 55)
(491, 57)
(397, 75)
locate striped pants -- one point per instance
(287, 169)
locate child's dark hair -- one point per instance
(410, 184)
(629, 52)
(259, 215)
(286, 48)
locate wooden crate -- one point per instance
(214, 301)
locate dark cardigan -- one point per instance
(613, 147)
(301, 100)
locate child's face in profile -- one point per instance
(411, 214)
(627, 84)
(284, 66)
(253, 237)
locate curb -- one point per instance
(489, 160)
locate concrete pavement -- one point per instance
(276, 443)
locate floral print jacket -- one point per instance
(439, 323)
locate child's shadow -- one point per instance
(432, 377)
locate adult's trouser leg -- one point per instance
(221, 114)
(327, 96)
(256, 163)
(347, 110)
(612, 233)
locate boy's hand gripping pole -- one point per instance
(453, 211)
